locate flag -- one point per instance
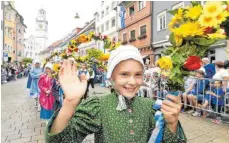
(122, 15)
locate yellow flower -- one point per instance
(213, 8)
(208, 21)
(178, 40)
(165, 63)
(104, 57)
(90, 36)
(56, 67)
(193, 12)
(62, 54)
(189, 29)
(83, 38)
(172, 23)
(179, 15)
(221, 17)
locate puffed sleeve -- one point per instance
(86, 120)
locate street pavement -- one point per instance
(20, 121)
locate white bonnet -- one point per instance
(36, 61)
(49, 65)
(122, 53)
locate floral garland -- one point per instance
(73, 49)
(193, 30)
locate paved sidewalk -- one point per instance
(21, 122)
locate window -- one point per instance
(30, 54)
(143, 30)
(141, 5)
(113, 22)
(131, 10)
(161, 21)
(102, 14)
(179, 5)
(124, 37)
(19, 30)
(97, 29)
(113, 5)
(102, 28)
(102, 3)
(107, 10)
(107, 25)
(132, 34)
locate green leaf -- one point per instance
(204, 41)
(107, 43)
(172, 39)
(173, 12)
(195, 3)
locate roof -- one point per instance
(17, 14)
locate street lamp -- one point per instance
(77, 16)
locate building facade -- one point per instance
(2, 32)
(31, 50)
(160, 33)
(20, 46)
(14, 30)
(137, 30)
(41, 32)
(107, 21)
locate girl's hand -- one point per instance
(48, 91)
(171, 110)
(73, 87)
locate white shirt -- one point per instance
(87, 75)
(220, 74)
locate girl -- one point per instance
(117, 118)
(46, 96)
(35, 74)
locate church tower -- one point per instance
(41, 32)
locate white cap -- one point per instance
(122, 53)
(49, 65)
(36, 61)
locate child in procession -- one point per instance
(119, 117)
(46, 98)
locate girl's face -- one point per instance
(48, 70)
(128, 77)
(37, 65)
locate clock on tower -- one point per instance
(41, 29)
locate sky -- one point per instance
(59, 13)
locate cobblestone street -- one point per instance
(21, 122)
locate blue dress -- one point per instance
(35, 74)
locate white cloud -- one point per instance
(60, 15)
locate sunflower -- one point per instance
(179, 15)
(82, 38)
(193, 12)
(172, 23)
(208, 21)
(213, 8)
(90, 36)
(56, 67)
(221, 17)
(189, 29)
